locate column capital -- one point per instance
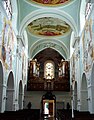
(20, 40)
(76, 41)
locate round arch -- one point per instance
(75, 96)
(52, 43)
(48, 13)
(92, 89)
(1, 85)
(49, 69)
(10, 92)
(84, 94)
(25, 91)
(20, 97)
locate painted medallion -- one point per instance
(50, 2)
(48, 26)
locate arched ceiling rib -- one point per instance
(49, 43)
(46, 54)
(48, 13)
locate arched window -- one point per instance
(49, 69)
(88, 9)
(8, 7)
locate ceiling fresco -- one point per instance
(50, 2)
(48, 26)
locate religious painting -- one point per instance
(50, 2)
(1, 27)
(88, 51)
(49, 26)
(7, 44)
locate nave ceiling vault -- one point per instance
(49, 24)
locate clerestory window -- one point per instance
(88, 9)
(8, 7)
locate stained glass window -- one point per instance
(8, 7)
(49, 70)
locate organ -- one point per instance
(37, 81)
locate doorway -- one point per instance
(49, 106)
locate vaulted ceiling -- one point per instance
(48, 24)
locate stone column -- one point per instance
(18, 57)
(77, 69)
(17, 67)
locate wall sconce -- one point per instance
(73, 80)
(16, 100)
(71, 97)
(88, 99)
(4, 98)
(78, 100)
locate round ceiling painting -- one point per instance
(50, 2)
(48, 26)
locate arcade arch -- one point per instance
(10, 92)
(1, 85)
(84, 94)
(20, 98)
